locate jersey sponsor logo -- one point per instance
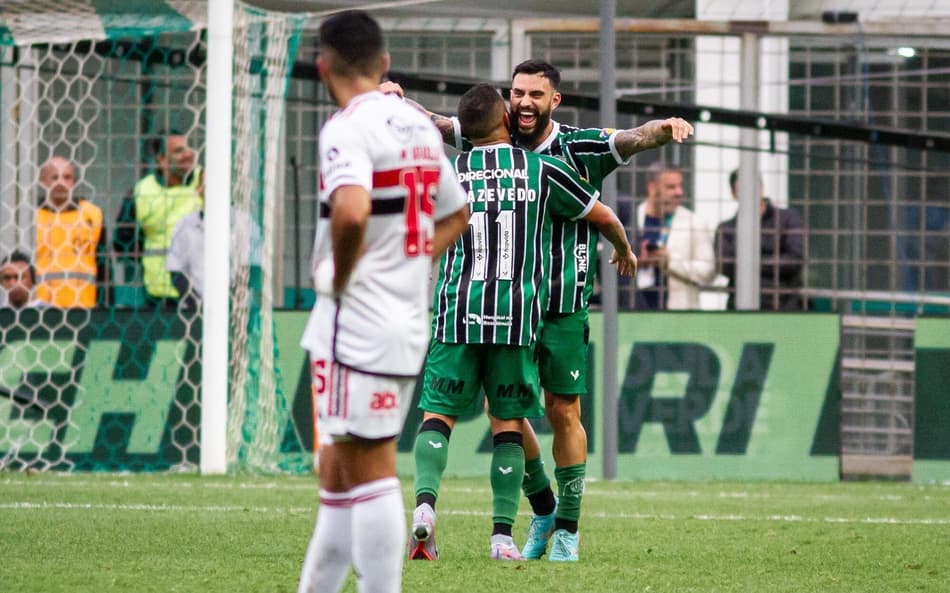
(492, 320)
(332, 165)
(580, 258)
(385, 400)
(447, 385)
(606, 132)
(483, 174)
(512, 391)
(502, 194)
(403, 131)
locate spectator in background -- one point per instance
(158, 202)
(781, 248)
(676, 246)
(16, 278)
(185, 261)
(70, 241)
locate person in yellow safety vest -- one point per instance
(158, 201)
(70, 241)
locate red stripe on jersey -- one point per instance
(346, 391)
(390, 178)
(331, 394)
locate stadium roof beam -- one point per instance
(917, 27)
(772, 122)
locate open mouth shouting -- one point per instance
(527, 119)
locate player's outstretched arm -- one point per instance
(348, 221)
(611, 228)
(652, 134)
(444, 124)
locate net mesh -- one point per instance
(114, 382)
(259, 414)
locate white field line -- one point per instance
(152, 484)
(311, 485)
(71, 506)
(95, 506)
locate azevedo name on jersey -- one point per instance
(498, 194)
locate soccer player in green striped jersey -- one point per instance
(491, 293)
(594, 153)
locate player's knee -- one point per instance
(563, 412)
(508, 436)
(436, 425)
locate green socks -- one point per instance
(507, 473)
(431, 453)
(535, 480)
(570, 486)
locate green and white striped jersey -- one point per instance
(493, 282)
(592, 153)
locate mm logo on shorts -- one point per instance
(512, 391)
(446, 385)
(384, 401)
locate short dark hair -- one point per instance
(155, 145)
(356, 38)
(734, 180)
(657, 168)
(541, 67)
(479, 109)
(21, 257)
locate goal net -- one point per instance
(97, 372)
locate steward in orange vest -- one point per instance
(70, 241)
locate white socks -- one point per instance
(365, 527)
(379, 536)
(328, 556)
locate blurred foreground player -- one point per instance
(389, 202)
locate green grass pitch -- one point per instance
(184, 533)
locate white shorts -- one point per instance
(349, 403)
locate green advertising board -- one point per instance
(727, 396)
(98, 390)
(932, 400)
(703, 396)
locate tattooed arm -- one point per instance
(446, 125)
(652, 134)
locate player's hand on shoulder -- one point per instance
(391, 88)
(678, 128)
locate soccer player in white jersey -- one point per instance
(389, 203)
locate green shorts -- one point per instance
(562, 352)
(455, 375)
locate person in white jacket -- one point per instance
(676, 246)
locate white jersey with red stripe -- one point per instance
(380, 323)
